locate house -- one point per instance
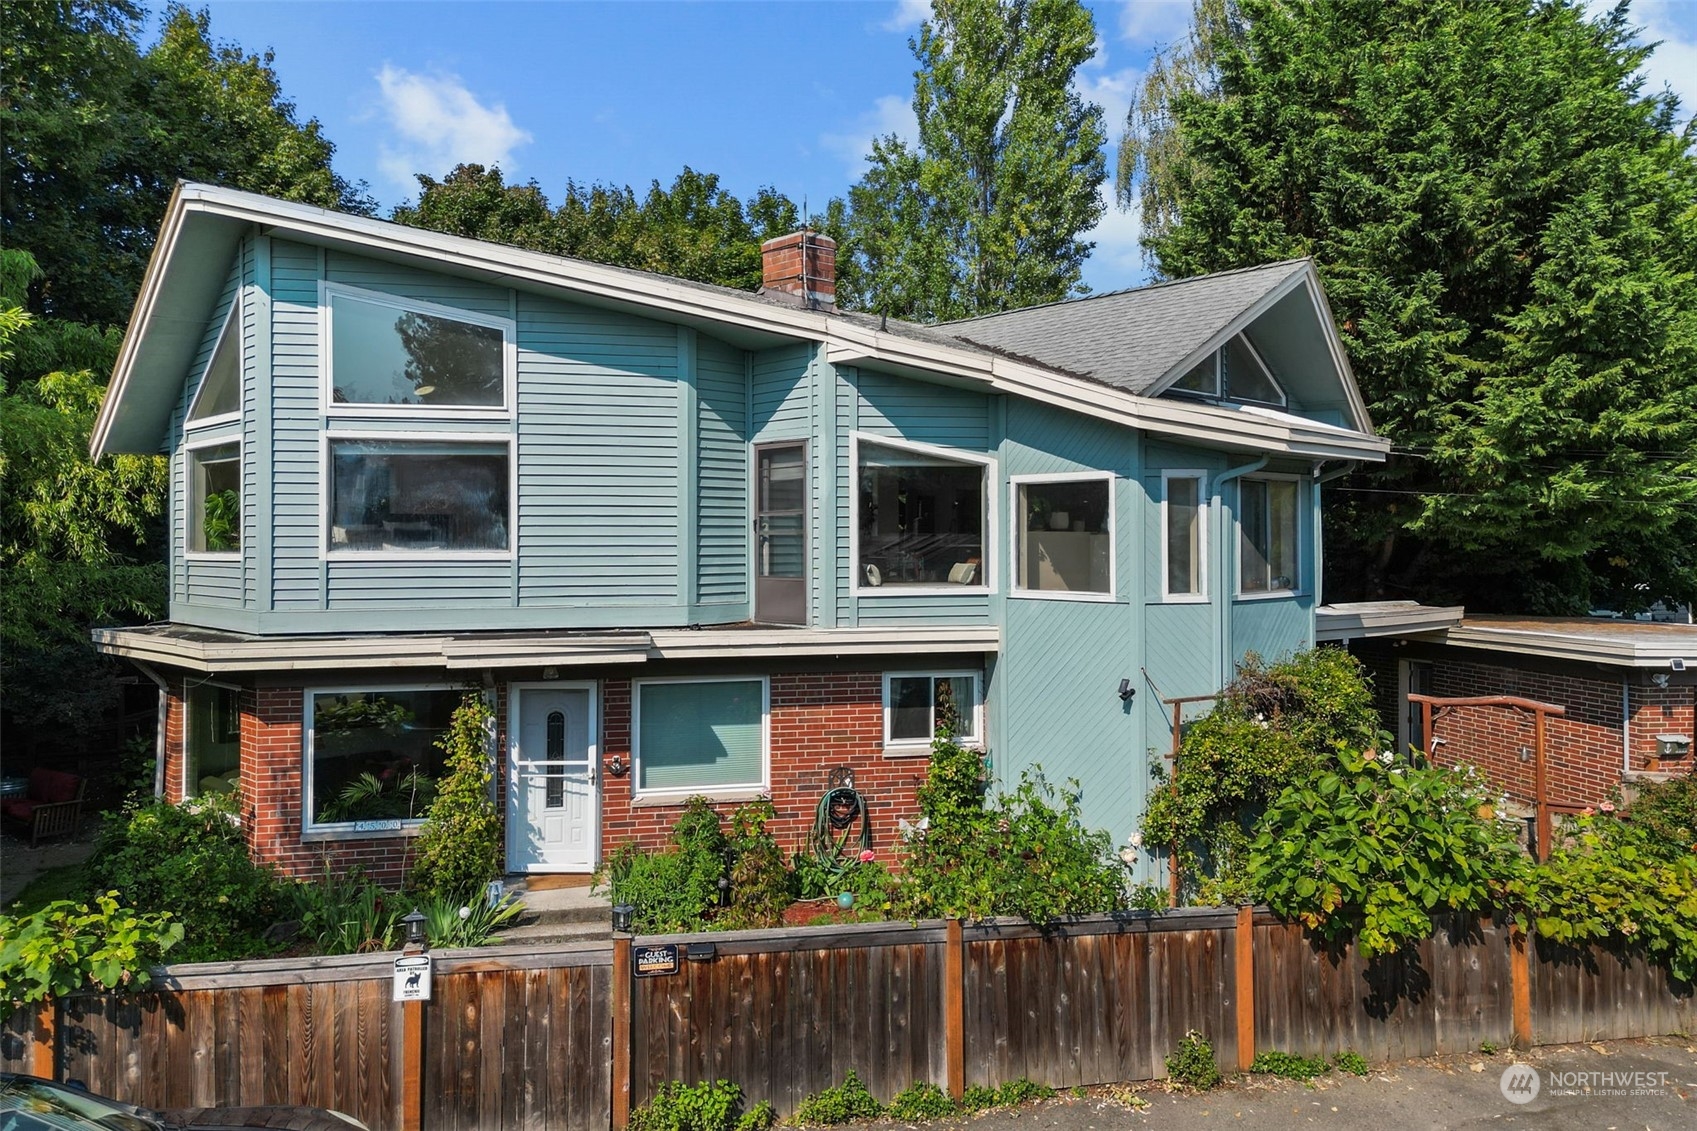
(692, 540)
(1628, 690)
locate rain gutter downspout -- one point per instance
(1625, 723)
(1222, 606)
(159, 727)
(1320, 480)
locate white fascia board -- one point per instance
(1601, 648)
(692, 644)
(1383, 618)
(275, 654)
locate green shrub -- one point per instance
(1289, 1065)
(921, 1102)
(348, 914)
(191, 861)
(1192, 1063)
(674, 890)
(1369, 852)
(1354, 1063)
(1666, 812)
(760, 884)
(67, 946)
(1272, 725)
(1021, 1090)
(707, 1106)
(977, 1097)
(459, 847)
(846, 1102)
(449, 923)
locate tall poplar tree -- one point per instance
(1504, 219)
(988, 210)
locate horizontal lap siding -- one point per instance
(297, 579)
(722, 524)
(782, 408)
(254, 463)
(598, 436)
(410, 282)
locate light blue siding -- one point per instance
(297, 574)
(722, 491)
(598, 476)
(783, 393)
(216, 583)
(1273, 629)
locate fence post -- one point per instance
(412, 1065)
(621, 1031)
(954, 1009)
(1244, 937)
(46, 1039)
(1520, 985)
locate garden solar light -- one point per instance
(623, 917)
(414, 923)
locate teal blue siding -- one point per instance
(413, 283)
(903, 408)
(598, 476)
(782, 393)
(722, 490)
(296, 424)
(217, 583)
(1273, 628)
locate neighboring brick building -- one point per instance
(1627, 692)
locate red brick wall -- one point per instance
(820, 721)
(176, 719)
(1584, 748)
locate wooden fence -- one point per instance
(567, 1038)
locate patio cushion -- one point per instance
(18, 808)
(50, 786)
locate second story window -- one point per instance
(215, 499)
(920, 518)
(219, 397)
(430, 496)
(390, 355)
(1267, 536)
(1063, 535)
(1184, 536)
(1235, 372)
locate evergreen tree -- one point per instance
(1504, 220)
(987, 212)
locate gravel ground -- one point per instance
(1439, 1092)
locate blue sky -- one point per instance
(781, 92)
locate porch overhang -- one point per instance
(1361, 619)
(212, 651)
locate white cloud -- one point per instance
(1117, 260)
(435, 123)
(1148, 23)
(907, 15)
(891, 114)
(1674, 63)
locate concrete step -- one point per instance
(561, 907)
(539, 932)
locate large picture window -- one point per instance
(215, 499)
(1063, 535)
(372, 757)
(213, 752)
(917, 703)
(387, 352)
(700, 736)
(419, 495)
(1184, 535)
(1267, 536)
(921, 518)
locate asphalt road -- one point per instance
(1440, 1092)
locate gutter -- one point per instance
(1222, 607)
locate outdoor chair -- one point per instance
(52, 805)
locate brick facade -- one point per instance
(819, 722)
(1585, 747)
(176, 723)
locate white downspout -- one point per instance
(159, 727)
(1320, 480)
(1222, 606)
(1625, 725)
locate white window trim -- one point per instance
(916, 747)
(733, 792)
(326, 378)
(1295, 590)
(1266, 371)
(232, 318)
(1017, 532)
(490, 439)
(200, 443)
(1204, 503)
(991, 520)
(350, 830)
(190, 786)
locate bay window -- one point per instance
(215, 499)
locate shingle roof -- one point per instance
(1130, 339)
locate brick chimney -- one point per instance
(802, 266)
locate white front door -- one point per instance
(553, 816)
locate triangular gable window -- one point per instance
(220, 393)
(1247, 376)
(1204, 377)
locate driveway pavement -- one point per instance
(1440, 1092)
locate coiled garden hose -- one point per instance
(833, 825)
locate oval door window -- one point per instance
(556, 796)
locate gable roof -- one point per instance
(204, 224)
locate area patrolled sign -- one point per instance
(652, 961)
(412, 978)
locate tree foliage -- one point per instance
(1504, 221)
(692, 230)
(987, 210)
